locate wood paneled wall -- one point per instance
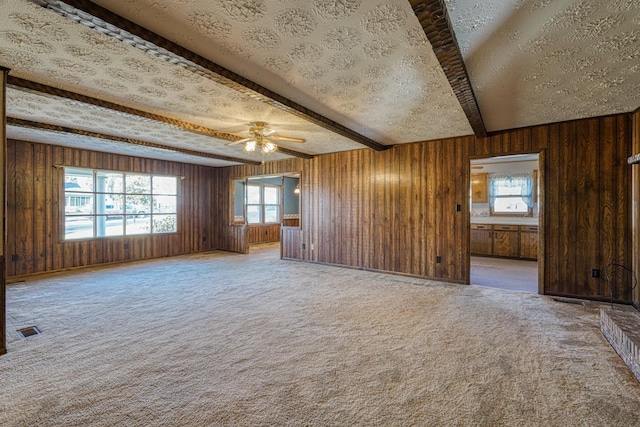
(635, 138)
(291, 222)
(587, 197)
(396, 210)
(393, 210)
(291, 242)
(34, 211)
(263, 233)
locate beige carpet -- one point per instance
(231, 340)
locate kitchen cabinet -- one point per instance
(480, 188)
(506, 241)
(503, 240)
(481, 239)
(529, 241)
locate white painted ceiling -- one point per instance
(364, 64)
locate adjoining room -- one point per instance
(505, 212)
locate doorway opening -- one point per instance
(505, 206)
(266, 205)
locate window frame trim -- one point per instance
(62, 214)
(262, 204)
(492, 211)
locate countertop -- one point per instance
(504, 220)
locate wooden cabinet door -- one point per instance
(480, 188)
(528, 245)
(506, 244)
(481, 242)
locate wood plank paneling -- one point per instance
(608, 195)
(587, 202)
(263, 233)
(635, 250)
(35, 243)
(291, 222)
(586, 199)
(291, 247)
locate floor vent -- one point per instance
(28, 331)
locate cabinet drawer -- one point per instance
(506, 227)
(529, 228)
(481, 227)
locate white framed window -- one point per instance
(99, 203)
(511, 194)
(263, 204)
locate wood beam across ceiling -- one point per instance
(436, 24)
(22, 84)
(63, 129)
(151, 42)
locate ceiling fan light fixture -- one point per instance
(268, 147)
(250, 146)
(262, 139)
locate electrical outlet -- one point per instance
(15, 258)
(595, 272)
(438, 259)
(458, 207)
(312, 246)
(126, 246)
(304, 246)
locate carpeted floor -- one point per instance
(230, 340)
(503, 273)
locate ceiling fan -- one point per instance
(262, 138)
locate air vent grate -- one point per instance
(28, 331)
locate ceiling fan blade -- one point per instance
(240, 141)
(234, 128)
(286, 138)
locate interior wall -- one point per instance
(587, 197)
(396, 210)
(393, 210)
(35, 242)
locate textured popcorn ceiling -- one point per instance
(364, 64)
(542, 61)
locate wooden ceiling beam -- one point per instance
(151, 42)
(436, 24)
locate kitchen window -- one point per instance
(511, 194)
